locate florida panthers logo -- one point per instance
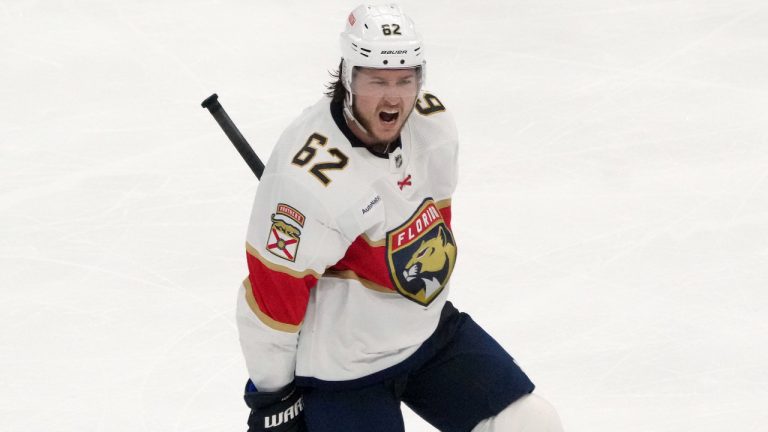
(283, 238)
(422, 254)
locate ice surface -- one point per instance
(612, 213)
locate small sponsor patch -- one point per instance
(351, 19)
(375, 200)
(283, 239)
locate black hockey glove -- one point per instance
(280, 411)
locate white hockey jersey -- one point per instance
(349, 253)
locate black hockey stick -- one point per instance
(233, 133)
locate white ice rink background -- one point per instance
(611, 216)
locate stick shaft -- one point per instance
(233, 133)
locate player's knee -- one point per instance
(530, 413)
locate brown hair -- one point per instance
(335, 89)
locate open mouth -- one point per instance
(388, 117)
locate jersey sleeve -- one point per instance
(291, 240)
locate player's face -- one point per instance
(383, 99)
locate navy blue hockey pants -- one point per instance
(463, 378)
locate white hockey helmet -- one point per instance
(382, 37)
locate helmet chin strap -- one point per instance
(349, 114)
(350, 117)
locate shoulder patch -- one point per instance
(290, 212)
(283, 239)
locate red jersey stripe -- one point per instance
(269, 322)
(280, 296)
(445, 211)
(367, 262)
(367, 258)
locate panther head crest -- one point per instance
(432, 262)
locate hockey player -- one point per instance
(344, 314)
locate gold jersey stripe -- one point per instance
(269, 322)
(443, 203)
(374, 243)
(277, 267)
(350, 275)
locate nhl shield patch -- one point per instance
(421, 254)
(284, 235)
